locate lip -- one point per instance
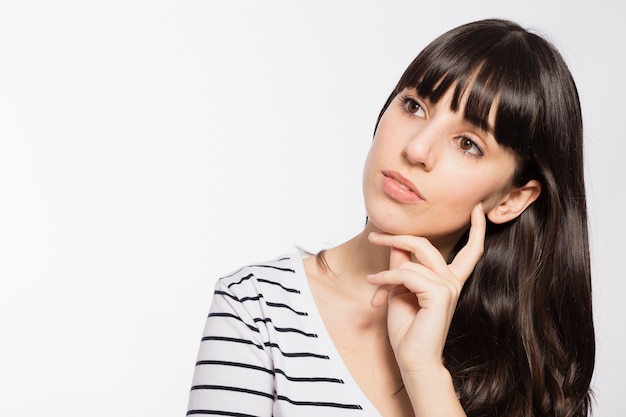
(400, 188)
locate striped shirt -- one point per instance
(265, 350)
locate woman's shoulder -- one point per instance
(284, 273)
(263, 288)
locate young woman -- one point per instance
(468, 291)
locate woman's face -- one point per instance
(428, 167)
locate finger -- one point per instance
(398, 257)
(412, 280)
(384, 291)
(465, 261)
(380, 295)
(424, 251)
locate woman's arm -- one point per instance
(233, 373)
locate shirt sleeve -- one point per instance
(234, 373)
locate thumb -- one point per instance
(465, 261)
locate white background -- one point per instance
(149, 147)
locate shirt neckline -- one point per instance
(325, 339)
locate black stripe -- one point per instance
(232, 316)
(320, 404)
(260, 266)
(269, 371)
(219, 413)
(292, 330)
(284, 329)
(274, 267)
(234, 389)
(308, 379)
(247, 277)
(229, 295)
(267, 344)
(236, 364)
(296, 354)
(267, 281)
(258, 297)
(235, 298)
(281, 305)
(231, 339)
(255, 298)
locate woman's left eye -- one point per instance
(468, 146)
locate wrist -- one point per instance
(432, 391)
(425, 373)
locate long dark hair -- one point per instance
(521, 342)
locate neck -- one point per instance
(357, 257)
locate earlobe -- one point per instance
(515, 202)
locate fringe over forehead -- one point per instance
(492, 62)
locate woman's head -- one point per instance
(522, 340)
(497, 63)
(514, 84)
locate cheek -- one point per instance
(466, 192)
(368, 169)
(377, 153)
(453, 215)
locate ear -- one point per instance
(515, 202)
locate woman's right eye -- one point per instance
(413, 107)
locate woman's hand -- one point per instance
(422, 293)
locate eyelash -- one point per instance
(407, 100)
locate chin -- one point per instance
(392, 223)
(395, 224)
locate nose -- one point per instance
(421, 147)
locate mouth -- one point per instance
(400, 188)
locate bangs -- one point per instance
(491, 67)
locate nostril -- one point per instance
(413, 160)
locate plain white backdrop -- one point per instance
(149, 147)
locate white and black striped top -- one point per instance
(265, 351)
